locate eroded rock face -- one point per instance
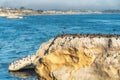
(79, 57)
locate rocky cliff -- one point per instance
(79, 57)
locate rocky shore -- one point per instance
(18, 13)
(79, 57)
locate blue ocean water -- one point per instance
(20, 37)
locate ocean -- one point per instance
(22, 37)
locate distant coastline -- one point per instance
(19, 13)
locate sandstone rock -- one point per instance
(71, 57)
(79, 57)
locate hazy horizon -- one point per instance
(61, 4)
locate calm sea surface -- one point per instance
(20, 37)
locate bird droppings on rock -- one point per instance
(77, 57)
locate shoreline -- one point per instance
(19, 13)
(19, 16)
(22, 16)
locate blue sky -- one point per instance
(63, 4)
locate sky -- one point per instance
(63, 4)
